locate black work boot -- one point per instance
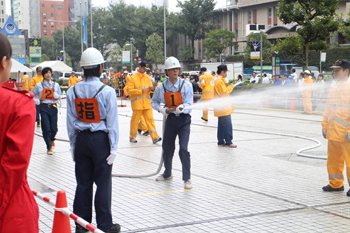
(329, 188)
(114, 229)
(80, 229)
(348, 193)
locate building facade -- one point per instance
(240, 13)
(3, 15)
(21, 15)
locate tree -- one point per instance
(48, 49)
(217, 41)
(267, 51)
(99, 30)
(316, 19)
(72, 44)
(185, 52)
(193, 19)
(155, 47)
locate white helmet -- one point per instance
(172, 63)
(91, 58)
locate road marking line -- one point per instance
(172, 191)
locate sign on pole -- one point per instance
(255, 50)
(126, 57)
(323, 57)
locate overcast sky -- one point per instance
(104, 3)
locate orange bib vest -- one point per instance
(87, 108)
(173, 99)
(47, 93)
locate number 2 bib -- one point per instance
(173, 99)
(47, 93)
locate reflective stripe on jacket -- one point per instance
(221, 90)
(139, 100)
(207, 88)
(336, 117)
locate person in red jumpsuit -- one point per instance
(18, 208)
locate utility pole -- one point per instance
(261, 56)
(164, 31)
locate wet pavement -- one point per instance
(261, 186)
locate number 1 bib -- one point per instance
(173, 99)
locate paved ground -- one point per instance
(262, 186)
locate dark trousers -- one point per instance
(37, 116)
(91, 151)
(224, 130)
(177, 125)
(48, 124)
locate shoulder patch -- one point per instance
(24, 92)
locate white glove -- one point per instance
(111, 157)
(180, 108)
(324, 133)
(347, 135)
(56, 96)
(162, 111)
(37, 101)
(72, 153)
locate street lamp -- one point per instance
(64, 51)
(131, 55)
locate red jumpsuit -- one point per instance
(18, 208)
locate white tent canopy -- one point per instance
(55, 66)
(16, 66)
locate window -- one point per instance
(2, 19)
(44, 14)
(236, 2)
(219, 20)
(44, 23)
(52, 24)
(203, 53)
(45, 32)
(249, 15)
(275, 11)
(51, 32)
(236, 17)
(2, 11)
(229, 2)
(236, 32)
(42, 5)
(51, 5)
(270, 12)
(214, 20)
(59, 7)
(51, 14)
(2, 3)
(199, 52)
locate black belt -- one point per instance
(90, 132)
(178, 115)
(48, 105)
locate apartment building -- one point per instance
(240, 13)
(3, 15)
(21, 14)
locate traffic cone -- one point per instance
(61, 222)
(292, 105)
(267, 102)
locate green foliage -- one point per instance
(192, 21)
(316, 18)
(127, 21)
(155, 47)
(235, 58)
(185, 52)
(267, 50)
(212, 44)
(333, 54)
(72, 44)
(48, 48)
(44, 57)
(291, 45)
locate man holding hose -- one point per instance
(176, 94)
